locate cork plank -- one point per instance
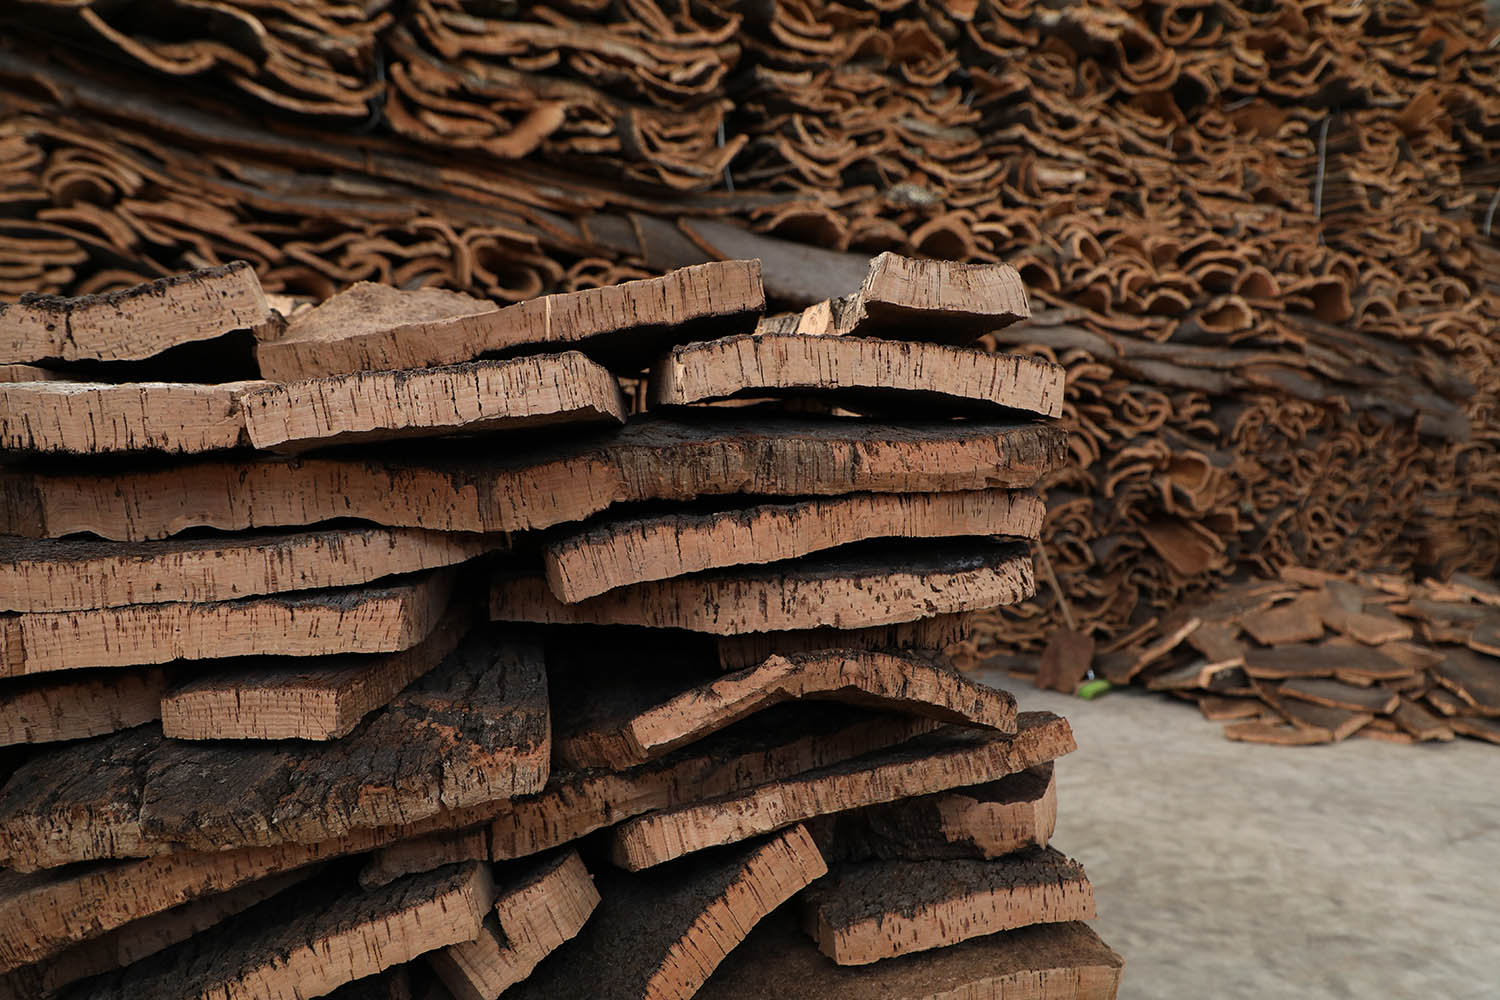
(660, 935)
(1299, 620)
(319, 698)
(547, 390)
(951, 758)
(324, 936)
(83, 574)
(1416, 721)
(475, 730)
(618, 553)
(537, 910)
(133, 323)
(1065, 961)
(424, 853)
(880, 585)
(1474, 678)
(48, 710)
(99, 418)
(626, 325)
(880, 681)
(937, 632)
(649, 459)
(373, 619)
(1331, 693)
(928, 377)
(29, 373)
(867, 911)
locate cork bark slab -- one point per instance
(537, 911)
(322, 698)
(1333, 694)
(736, 652)
(46, 710)
(352, 620)
(134, 323)
(932, 377)
(951, 758)
(626, 325)
(96, 418)
(633, 550)
(29, 373)
(547, 390)
(983, 822)
(424, 853)
(881, 681)
(310, 944)
(649, 459)
(872, 910)
(1474, 678)
(660, 935)
(80, 575)
(474, 730)
(1064, 961)
(773, 746)
(889, 583)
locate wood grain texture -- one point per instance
(99, 418)
(537, 910)
(937, 632)
(627, 324)
(546, 390)
(618, 553)
(879, 681)
(660, 935)
(951, 758)
(372, 619)
(318, 698)
(82, 574)
(135, 323)
(915, 377)
(473, 731)
(649, 459)
(848, 589)
(49, 710)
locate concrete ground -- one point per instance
(1224, 869)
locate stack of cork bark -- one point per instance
(391, 646)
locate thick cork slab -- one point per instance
(880, 681)
(134, 323)
(660, 935)
(548, 390)
(1065, 961)
(29, 373)
(49, 710)
(952, 758)
(649, 459)
(883, 584)
(626, 551)
(537, 910)
(926, 377)
(627, 325)
(99, 418)
(81, 574)
(374, 619)
(872, 910)
(321, 698)
(986, 821)
(472, 731)
(736, 652)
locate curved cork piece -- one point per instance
(48, 710)
(1044, 962)
(660, 935)
(891, 583)
(546, 390)
(649, 459)
(736, 652)
(536, 912)
(925, 377)
(352, 620)
(134, 323)
(618, 553)
(951, 758)
(82, 575)
(97, 418)
(626, 325)
(868, 911)
(880, 681)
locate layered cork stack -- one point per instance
(433, 648)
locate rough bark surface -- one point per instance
(95, 418)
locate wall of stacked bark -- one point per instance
(1263, 238)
